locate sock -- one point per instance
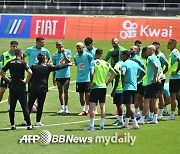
(134, 121)
(155, 117)
(140, 112)
(66, 107)
(102, 121)
(87, 106)
(12, 125)
(92, 122)
(124, 109)
(136, 111)
(120, 118)
(148, 112)
(83, 108)
(127, 121)
(62, 106)
(151, 114)
(165, 109)
(160, 111)
(172, 114)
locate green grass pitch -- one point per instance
(161, 138)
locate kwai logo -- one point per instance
(132, 30)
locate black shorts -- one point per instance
(4, 83)
(129, 96)
(139, 86)
(29, 86)
(118, 99)
(98, 94)
(142, 90)
(83, 87)
(62, 80)
(174, 85)
(161, 86)
(151, 91)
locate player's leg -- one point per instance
(66, 96)
(61, 99)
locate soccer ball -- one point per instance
(34, 108)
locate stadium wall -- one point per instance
(97, 27)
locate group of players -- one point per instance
(137, 77)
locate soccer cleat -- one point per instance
(30, 128)
(165, 113)
(148, 119)
(89, 128)
(153, 122)
(170, 118)
(66, 111)
(39, 124)
(135, 127)
(13, 127)
(160, 116)
(82, 113)
(140, 122)
(101, 127)
(138, 117)
(24, 123)
(61, 110)
(117, 123)
(124, 126)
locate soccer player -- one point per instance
(61, 78)
(164, 66)
(89, 46)
(5, 58)
(17, 68)
(117, 92)
(92, 50)
(116, 46)
(138, 97)
(174, 79)
(98, 90)
(33, 51)
(138, 43)
(130, 71)
(39, 84)
(84, 62)
(154, 73)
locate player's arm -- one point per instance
(55, 68)
(3, 72)
(155, 68)
(115, 84)
(66, 58)
(108, 56)
(178, 68)
(141, 75)
(29, 75)
(113, 75)
(160, 75)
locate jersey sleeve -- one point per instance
(124, 68)
(69, 54)
(1, 58)
(47, 54)
(163, 59)
(6, 67)
(27, 52)
(91, 59)
(75, 60)
(26, 65)
(53, 60)
(108, 56)
(175, 56)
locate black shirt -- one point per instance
(41, 71)
(17, 69)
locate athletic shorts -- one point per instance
(142, 90)
(4, 83)
(118, 99)
(174, 85)
(62, 80)
(83, 87)
(98, 94)
(161, 86)
(129, 96)
(151, 91)
(139, 86)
